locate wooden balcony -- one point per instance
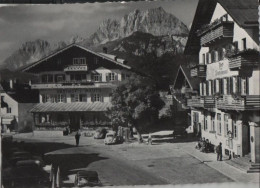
(196, 102)
(242, 103)
(198, 71)
(245, 59)
(71, 85)
(216, 31)
(202, 102)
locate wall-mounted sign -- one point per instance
(219, 70)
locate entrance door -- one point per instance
(74, 122)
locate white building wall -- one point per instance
(11, 104)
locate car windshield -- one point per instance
(110, 136)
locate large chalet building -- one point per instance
(223, 45)
(75, 86)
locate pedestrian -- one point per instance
(77, 136)
(219, 152)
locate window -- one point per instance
(60, 78)
(96, 97)
(60, 98)
(244, 44)
(79, 61)
(235, 46)
(219, 123)
(97, 77)
(82, 97)
(78, 77)
(207, 58)
(213, 123)
(244, 86)
(47, 78)
(111, 77)
(9, 110)
(226, 124)
(225, 86)
(212, 56)
(205, 123)
(76, 97)
(234, 129)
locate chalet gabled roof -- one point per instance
(70, 46)
(243, 12)
(193, 82)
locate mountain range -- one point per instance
(140, 37)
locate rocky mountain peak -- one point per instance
(154, 21)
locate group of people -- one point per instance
(205, 146)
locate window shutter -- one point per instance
(207, 88)
(231, 85)
(239, 85)
(107, 77)
(92, 76)
(228, 86)
(92, 97)
(247, 85)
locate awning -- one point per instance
(71, 107)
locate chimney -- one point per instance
(11, 84)
(105, 50)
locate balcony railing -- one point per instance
(198, 71)
(74, 85)
(76, 68)
(217, 30)
(245, 59)
(196, 102)
(201, 102)
(248, 102)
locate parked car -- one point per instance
(100, 133)
(86, 178)
(179, 131)
(112, 138)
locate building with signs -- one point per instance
(75, 86)
(224, 39)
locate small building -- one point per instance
(224, 40)
(75, 86)
(184, 87)
(16, 103)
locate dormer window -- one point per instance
(79, 61)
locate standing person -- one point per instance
(77, 136)
(219, 152)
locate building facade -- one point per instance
(15, 107)
(184, 87)
(227, 107)
(75, 86)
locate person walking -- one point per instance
(219, 152)
(77, 136)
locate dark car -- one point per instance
(100, 133)
(179, 131)
(86, 178)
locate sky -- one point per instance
(21, 23)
